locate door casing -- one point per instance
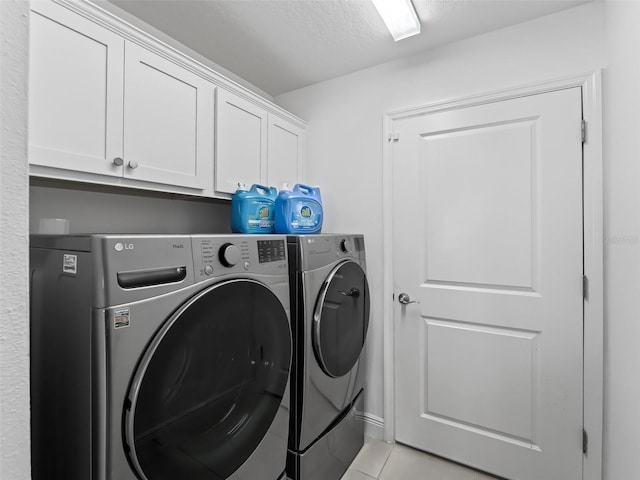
(591, 85)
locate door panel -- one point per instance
(168, 115)
(459, 369)
(285, 150)
(482, 239)
(75, 92)
(488, 238)
(241, 142)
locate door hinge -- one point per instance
(585, 287)
(583, 129)
(585, 441)
(393, 137)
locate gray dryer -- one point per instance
(330, 318)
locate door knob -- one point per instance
(405, 299)
(133, 164)
(118, 161)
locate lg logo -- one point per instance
(123, 246)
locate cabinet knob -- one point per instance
(132, 164)
(118, 161)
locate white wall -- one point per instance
(101, 209)
(14, 315)
(344, 137)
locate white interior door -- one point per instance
(487, 235)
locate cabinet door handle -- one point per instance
(132, 164)
(118, 161)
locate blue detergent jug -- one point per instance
(299, 211)
(253, 211)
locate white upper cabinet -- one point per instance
(110, 104)
(241, 142)
(254, 146)
(168, 121)
(285, 152)
(102, 105)
(75, 92)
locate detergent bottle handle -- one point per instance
(261, 189)
(305, 189)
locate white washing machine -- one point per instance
(159, 357)
(330, 318)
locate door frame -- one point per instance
(593, 355)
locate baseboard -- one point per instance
(373, 425)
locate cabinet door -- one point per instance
(75, 92)
(168, 121)
(285, 151)
(241, 142)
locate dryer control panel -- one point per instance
(315, 251)
(352, 245)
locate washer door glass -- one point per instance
(209, 385)
(341, 319)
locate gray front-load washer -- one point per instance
(329, 318)
(159, 357)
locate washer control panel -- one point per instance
(216, 255)
(271, 251)
(229, 254)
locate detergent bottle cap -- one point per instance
(241, 187)
(284, 187)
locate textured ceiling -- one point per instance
(283, 45)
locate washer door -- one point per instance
(209, 385)
(341, 319)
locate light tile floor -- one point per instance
(378, 460)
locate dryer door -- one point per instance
(209, 385)
(341, 319)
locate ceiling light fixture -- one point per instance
(399, 16)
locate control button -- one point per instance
(208, 270)
(246, 265)
(229, 254)
(344, 245)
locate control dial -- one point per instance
(229, 254)
(344, 245)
